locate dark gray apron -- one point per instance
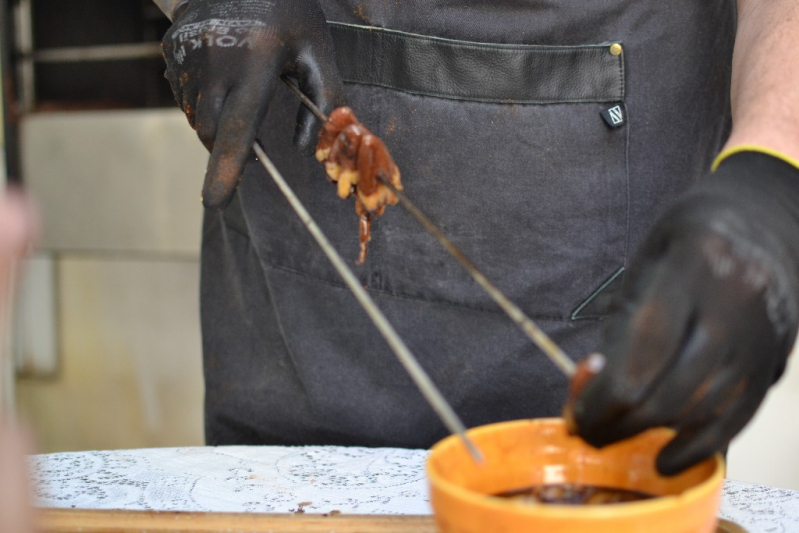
(493, 112)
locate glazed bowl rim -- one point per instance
(627, 509)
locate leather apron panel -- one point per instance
(541, 195)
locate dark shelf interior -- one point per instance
(129, 83)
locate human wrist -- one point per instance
(171, 8)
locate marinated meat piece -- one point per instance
(375, 162)
(339, 119)
(357, 160)
(342, 163)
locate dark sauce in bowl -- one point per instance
(573, 494)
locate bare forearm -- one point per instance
(169, 6)
(765, 76)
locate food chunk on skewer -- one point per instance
(339, 119)
(342, 163)
(357, 161)
(374, 162)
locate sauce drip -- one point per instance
(357, 161)
(365, 236)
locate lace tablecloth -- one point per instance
(311, 479)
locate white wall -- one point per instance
(766, 451)
(119, 194)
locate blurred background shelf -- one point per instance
(107, 341)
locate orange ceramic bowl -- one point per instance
(523, 453)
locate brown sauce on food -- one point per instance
(573, 494)
(358, 163)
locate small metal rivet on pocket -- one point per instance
(615, 49)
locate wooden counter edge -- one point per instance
(96, 521)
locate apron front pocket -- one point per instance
(506, 149)
(517, 152)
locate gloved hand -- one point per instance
(709, 315)
(224, 60)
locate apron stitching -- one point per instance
(599, 290)
(356, 28)
(482, 100)
(415, 298)
(621, 77)
(627, 189)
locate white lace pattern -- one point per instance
(313, 479)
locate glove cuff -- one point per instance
(760, 181)
(752, 148)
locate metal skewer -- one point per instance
(307, 102)
(525, 323)
(416, 372)
(530, 328)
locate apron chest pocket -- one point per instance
(505, 148)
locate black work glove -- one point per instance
(709, 315)
(224, 60)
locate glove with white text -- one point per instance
(224, 60)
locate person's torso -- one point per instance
(534, 185)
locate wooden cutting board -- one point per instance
(83, 521)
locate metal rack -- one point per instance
(27, 56)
